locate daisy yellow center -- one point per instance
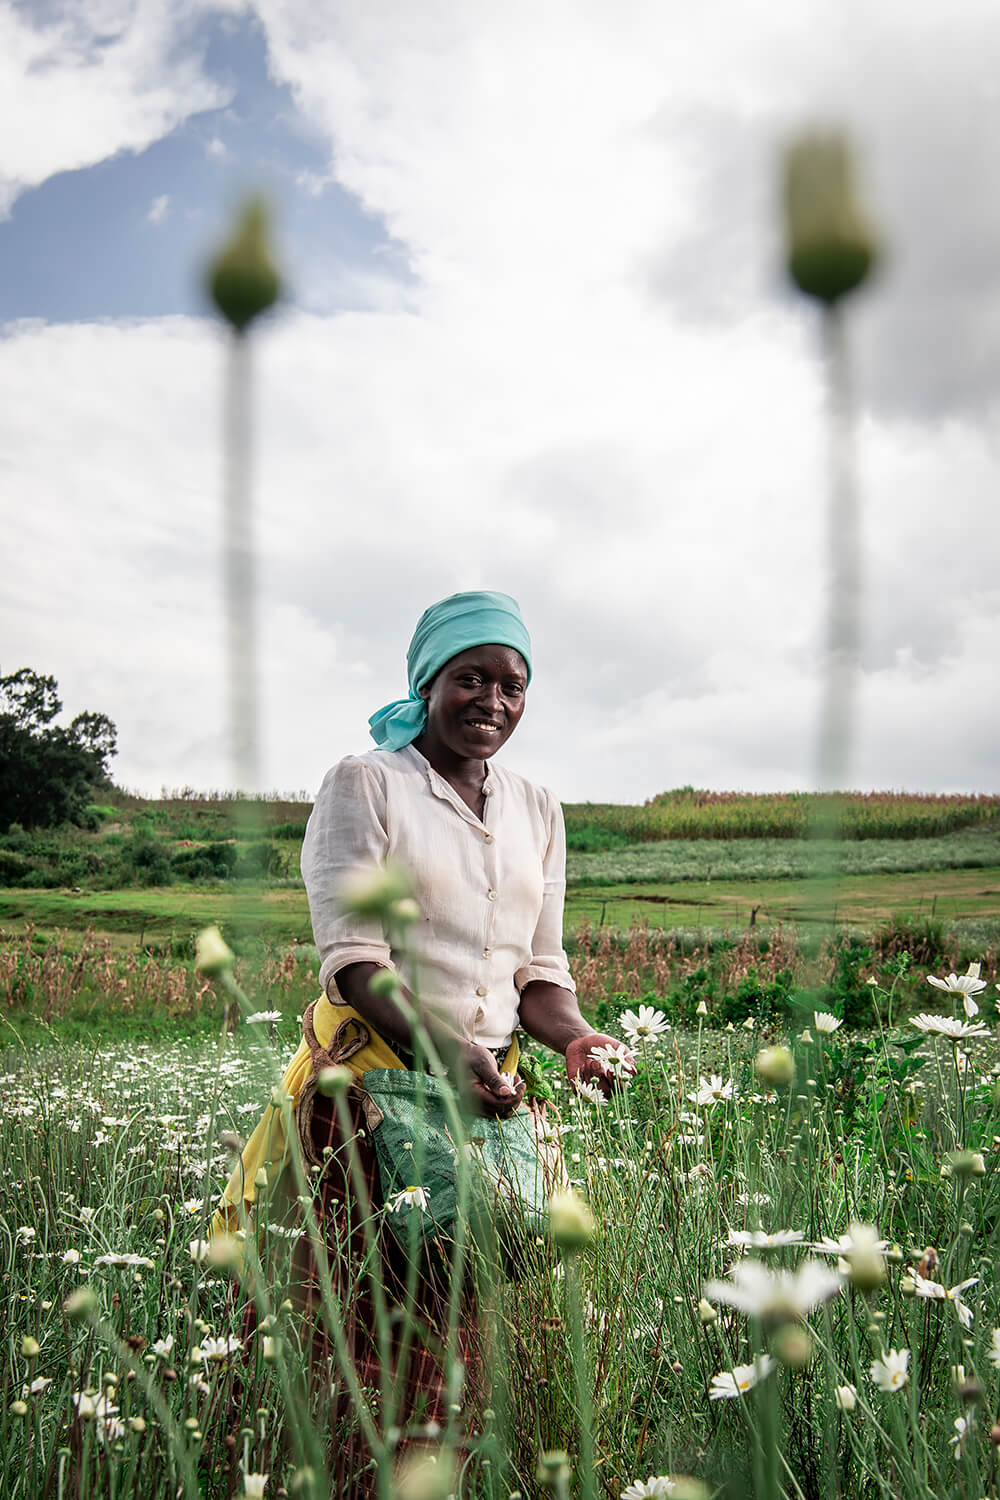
(744, 1385)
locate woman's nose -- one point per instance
(489, 695)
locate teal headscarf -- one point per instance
(454, 624)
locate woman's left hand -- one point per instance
(611, 1068)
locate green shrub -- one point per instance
(289, 830)
(207, 862)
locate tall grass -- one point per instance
(115, 1156)
(690, 814)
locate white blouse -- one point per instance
(490, 891)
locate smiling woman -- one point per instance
(484, 850)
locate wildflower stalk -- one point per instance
(582, 1383)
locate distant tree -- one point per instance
(48, 772)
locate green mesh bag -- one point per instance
(512, 1172)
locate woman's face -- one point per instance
(475, 702)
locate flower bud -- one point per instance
(260, 1179)
(243, 280)
(425, 1476)
(846, 1397)
(967, 1164)
(80, 1303)
(706, 1312)
(212, 955)
(333, 1081)
(30, 1348)
(137, 1424)
(19, 1408)
(830, 244)
(372, 891)
(775, 1067)
(865, 1263)
(571, 1223)
(553, 1471)
(793, 1345)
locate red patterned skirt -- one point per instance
(418, 1371)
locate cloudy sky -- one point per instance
(537, 339)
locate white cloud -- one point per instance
(217, 149)
(94, 80)
(586, 396)
(159, 208)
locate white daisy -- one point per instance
(825, 1022)
(263, 1017)
(948, 1026)
(775, 1296)
(710, 1090)
(410, 1197)
(730, 1383)
(933, 1291)
(966, 985)
(649, 1489)
(215, 1351)
(614, 1058)
(756, 1239)
(643, 1026)
(587, 1089)
(889, 1372)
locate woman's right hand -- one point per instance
(487, 1091)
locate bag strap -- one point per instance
(348, 1039)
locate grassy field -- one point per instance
(282, 915)
(705, 1325)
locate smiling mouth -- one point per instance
(483, 726)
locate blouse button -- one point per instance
(487, 952)
(481, 990)
(491, 895)
(489, 839)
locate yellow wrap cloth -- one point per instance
(266, 1152)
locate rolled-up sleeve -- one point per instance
(346, 833)
(548, 957)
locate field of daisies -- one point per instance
(773, 1274)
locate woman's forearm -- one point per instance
(551, 1015)
(382, 1011)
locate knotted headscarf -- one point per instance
(452, 625)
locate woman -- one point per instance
(485, 850)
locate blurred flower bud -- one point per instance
(865, 1264)
(30, 1348)
(793, 1345)
(571, 1223)
(405, 912)
(907, 1286)
(830, 244)
(373, 891)
(425, 1476)
(775, 1067)
(19, 1408)
(967, 1164)
(80, 1303)
(706, 1312)
(683, 1487)
(846, 1397)
(212, 955)
(243, 280)
(260, 1178)
(335, 1080)
(970, 1390)
(553, 1471)
(137, 1424)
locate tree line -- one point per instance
(48, 771)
